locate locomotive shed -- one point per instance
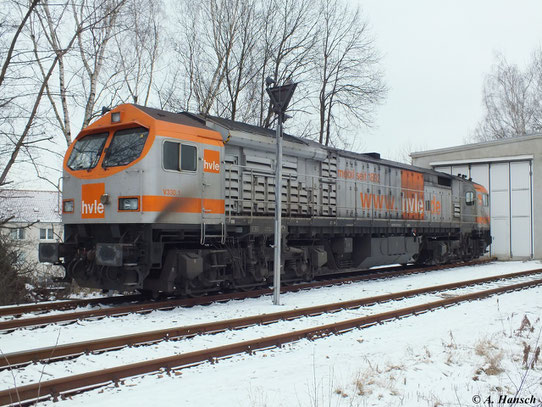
(511, 171)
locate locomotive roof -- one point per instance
(249, 128)
(198, 120)
(186, 119)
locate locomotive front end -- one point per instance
(129, 178)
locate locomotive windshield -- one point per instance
(125, 147)
(87, 151)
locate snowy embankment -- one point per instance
(456, 356)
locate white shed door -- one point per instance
(509, 186)
(510, 191)
(480, 174)
(520, 209)
(500, 209)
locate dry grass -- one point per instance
(492, 356)
(525, 326)
(363, 382)
(340, 391)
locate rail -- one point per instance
(69, 350)
(67, 385)
(188, 302)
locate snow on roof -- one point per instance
(29, 206)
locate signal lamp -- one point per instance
(128, 204)
(67, 206)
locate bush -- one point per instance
(13, 274)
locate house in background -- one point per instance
(32, 217)
(511, 170)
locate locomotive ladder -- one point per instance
(204, 236)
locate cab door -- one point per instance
(212, 193)
(469, 204)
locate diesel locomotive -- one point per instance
(180, 203)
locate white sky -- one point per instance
(436, 54)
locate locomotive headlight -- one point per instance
(67, 206)
(128, 204)
(115, 117)
(104, 199)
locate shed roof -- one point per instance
(477, 146)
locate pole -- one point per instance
(280, 98)
(278, 214)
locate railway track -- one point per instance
(148, 306)
(77, 383)
(18, 310)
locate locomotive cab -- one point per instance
(475, 219)
(130, 180)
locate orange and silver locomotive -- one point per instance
(180, 203)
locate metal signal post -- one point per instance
(280, 98)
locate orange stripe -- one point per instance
(484, 220)
(153, 203)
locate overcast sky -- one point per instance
(436, 54)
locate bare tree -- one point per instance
(14, 61)
(241, 64)
(217, 53)
(51, 39)
(207, 33)
(290, 36)
(22, 137)
(9, 54)
(350, 82)
(512, 99)
(92, 45)
(229, 47)
(50, 26)
(139, 44)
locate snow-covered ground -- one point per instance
(470, 354)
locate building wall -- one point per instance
(511, 167)
(28, 245)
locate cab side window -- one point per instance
(469, 198)
(170, 156)
(179, 157)
(189, 161)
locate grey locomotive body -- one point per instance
(193, 212)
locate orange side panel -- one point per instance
(153, 203)
(211, 161)
(412, 203)
(91, 207)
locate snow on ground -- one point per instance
(465, 354)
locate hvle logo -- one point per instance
(211, 161)
(91, 207)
